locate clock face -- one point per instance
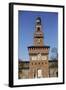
(44, 57)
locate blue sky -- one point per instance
(26, 29)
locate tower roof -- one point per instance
(38, 20)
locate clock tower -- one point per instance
(38, 53)
(38, 35)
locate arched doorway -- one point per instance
(39, 73)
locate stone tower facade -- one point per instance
(38, 53)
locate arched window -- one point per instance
(38, 28)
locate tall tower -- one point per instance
(38, 35)
(38, 53)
